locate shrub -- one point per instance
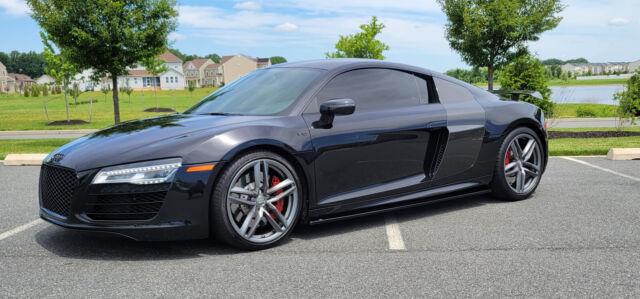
(629, 100)
(26, 92)
(528, 73)
(45, 90)
(35, 90)
(586, 112)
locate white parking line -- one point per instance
(393, 233)
(602, 168)
(20, 229)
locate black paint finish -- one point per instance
(371, 160)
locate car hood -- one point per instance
(175, 135)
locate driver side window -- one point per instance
(374, 89)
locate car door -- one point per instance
(379, 149)
(466, 128)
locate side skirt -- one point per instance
(419, 200)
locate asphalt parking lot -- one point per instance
(578, 236)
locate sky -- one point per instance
(601, 31)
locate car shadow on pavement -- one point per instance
(307, 232)
(104, 246)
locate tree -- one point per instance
(155, 66)
(277, 60)
(527, 73)
(215, 57)
(105, 88)
(28, 63)
(191, 86)
(363, 44)
(577, 60)
(107, 36)
(58, 67)
(127, 89)
(552, 61)
(493, 33)
(75, 92)
(629, 99)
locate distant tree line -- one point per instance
(187, 57)
(555, 61)
(473, 76)
(28, 63)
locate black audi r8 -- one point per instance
(307, 142)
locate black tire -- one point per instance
(221, 226)
(500, 187)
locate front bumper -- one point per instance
(183, 212)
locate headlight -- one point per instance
(151, 172)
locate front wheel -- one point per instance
(256, 202)
(519, 165)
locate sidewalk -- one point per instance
(609, 122)
(43, 134)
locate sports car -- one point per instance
(305, 142)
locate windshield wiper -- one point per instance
(221, 113)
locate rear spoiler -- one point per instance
(515, 94)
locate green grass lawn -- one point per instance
(20, 113)
(574, 82)
(589, 146)
(29, 146)
(557, 147)
(627, 129)
(584, 110)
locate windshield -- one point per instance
(263, 92)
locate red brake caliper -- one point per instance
(280, 203)
(506, 160)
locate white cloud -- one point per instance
(249, 5)
(176, 36)
(287, 27)
(360, 6)
(15, 7)
(619, 21)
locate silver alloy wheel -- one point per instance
(523, 163)
(259, 212)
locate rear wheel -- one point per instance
(257, 201)
(518, 166)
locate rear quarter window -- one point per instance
(450, 93)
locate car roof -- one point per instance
(347, 63)
(338, 65)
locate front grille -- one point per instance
(57, 185)
(135, 206)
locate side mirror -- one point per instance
(331, 108)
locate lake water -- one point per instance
(593, 94)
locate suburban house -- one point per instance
(194, 70)
(213, 74)
(4, 87)
(634, 66)
(21, 81)
(601, 68)
(263, 62)
(236, 66)
(140, 79)
(45, 79)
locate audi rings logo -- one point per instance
(57, 158)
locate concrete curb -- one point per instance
(47, 132)
(623, 154)
(24, 159)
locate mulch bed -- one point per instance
(65, 123)
(160, 109)
(590, 134)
